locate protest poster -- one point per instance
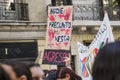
(58, 35)
(59, 27)
(56, 57)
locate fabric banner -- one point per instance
(59, 27)
(88, 53)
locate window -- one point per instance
(112, 7)
(9, 5)
(24, 11)
(14, 10)
(61, 2)
(87, 42)
(53, 2)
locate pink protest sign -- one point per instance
(59, 27)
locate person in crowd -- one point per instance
(107, 63)
(3, 74)
(36, 71)
(67, 74)
(51, 74)
(17, 70)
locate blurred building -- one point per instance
(23, 26)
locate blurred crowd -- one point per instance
(106, 67)
(26, 70)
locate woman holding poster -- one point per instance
(66, 73)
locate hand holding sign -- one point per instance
(67, 62)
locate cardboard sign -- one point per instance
(56, 57)
(59, 26)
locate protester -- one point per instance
(67, 74)
(17, 70)
(107, 63)
(3, 74)
(37, 72)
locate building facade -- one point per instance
(24, 22)
(22, 25)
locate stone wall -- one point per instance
(37, 10)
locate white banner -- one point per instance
(88, 53)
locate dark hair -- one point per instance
(3, 74)
(51, 74)
(64, 70)
(35, 65)
(107, 63)
(20, 68)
